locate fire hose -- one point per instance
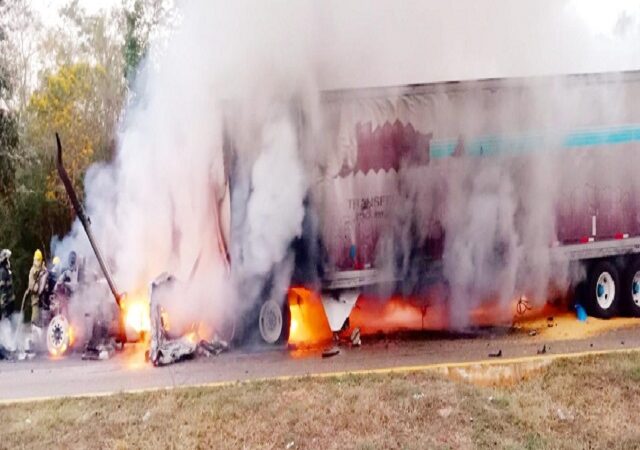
(86, 224)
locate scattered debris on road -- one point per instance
(543, 350)
(564, 415)
(99, 352)
(168, 351)
(581, 313)
(355, 338)
(445, 412)
(101, 345)
(212, 348)
(164, 349)
(332, 351)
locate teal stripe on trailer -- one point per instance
(491, 145)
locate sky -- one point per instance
(432, 40)
(48, 8)
(416, 41)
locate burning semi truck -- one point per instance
(460, 194)
(473, 193)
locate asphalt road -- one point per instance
(127, 371)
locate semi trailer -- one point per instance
(491, 188)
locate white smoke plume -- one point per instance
(236, 68)
(14, 335)
(155, 208)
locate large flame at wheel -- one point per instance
(309, 323)
(375, 316)
(137, 314)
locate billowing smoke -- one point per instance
(227, 77)
(244, 75)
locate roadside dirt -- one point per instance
(577, 403)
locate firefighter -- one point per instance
(37, 283)
(69, 276)
(6, 284)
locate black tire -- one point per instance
(631, 289)
(603, 290)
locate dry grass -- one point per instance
(581, 403)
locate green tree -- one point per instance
(144, 21)
(78, 92)
(8, 120)
(8, 151)
(134, 46)
(70, 102)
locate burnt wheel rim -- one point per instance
(270, 321)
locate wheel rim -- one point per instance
(58, 335)
(270, 321)
(635, 289)
(605, 290)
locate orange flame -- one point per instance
(58, 353)
(72, 336)
(371, 315)
(137, 314)
(192, 336)
(309, 323)
(386, 316)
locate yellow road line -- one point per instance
(386, 370)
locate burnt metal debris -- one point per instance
(356, 341)
(163, 349)
(543, 350)
(332, 351)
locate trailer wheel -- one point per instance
(274, 321)
(631, 286)
(602, 290)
